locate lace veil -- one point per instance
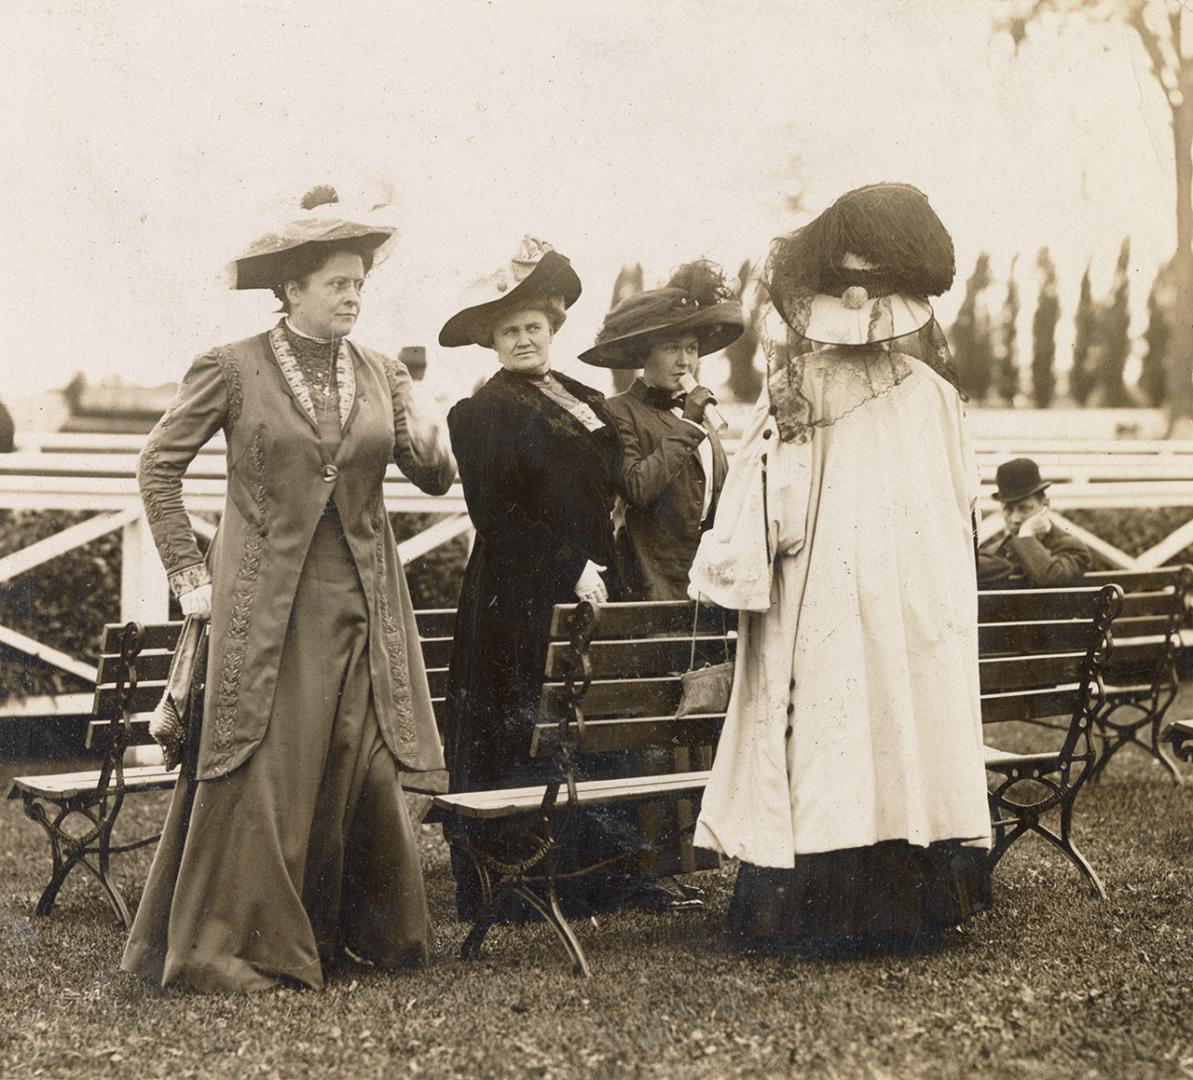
(829, 355)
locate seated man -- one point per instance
(1030, 544)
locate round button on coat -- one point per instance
(330, 472)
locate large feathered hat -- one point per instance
(262, 266)
(696, 300)
(536, 271)
(863, 269)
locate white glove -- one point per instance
(1037, 524)
(197, 602)
(589, 586)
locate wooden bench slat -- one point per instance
(1028, 672)
(151, 667)
(1005, 707)
(1040, 637)
(1149, 603)
(435, 622)
(1003, 759)
(624, 697)
(657, 618)
(1138, 580)
(1137, 626)
(638, 733)
(503, 803)
(98, 730)
(437, 681)
(1132, 657)
(642, 657)
(156, 636)
(1028, 605)
(61, 785)
(144, 699)
(437, 652)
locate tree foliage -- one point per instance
(1165, 31)
(1081, 377)
(973, 349)
(1154, 374)
(1043, 333)
(1006, 380)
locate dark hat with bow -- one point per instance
(1018, 479)
(695, 301)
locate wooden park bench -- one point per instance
(1141, 684)
(79, 810)
(1041, 655)
(612, 685)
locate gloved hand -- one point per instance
(695, 404)
(197, 602)
(589, 586)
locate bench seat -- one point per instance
(510, 801)
(64, 785)
(1047, 761)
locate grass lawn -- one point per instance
(1051, 983)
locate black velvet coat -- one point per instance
(539, 488)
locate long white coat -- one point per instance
(855, 714)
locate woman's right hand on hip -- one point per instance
(197, 602)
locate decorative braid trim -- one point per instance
(232, 385)
(288, 362)
(292, 373)
(393, 640)
(189, 578)
(155, 512)
(345, 381)
(244, 593)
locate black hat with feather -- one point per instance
(696, 300)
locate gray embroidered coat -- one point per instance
(280, 477)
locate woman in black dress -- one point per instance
(538, 456)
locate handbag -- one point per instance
(705, 689)
(170, 725)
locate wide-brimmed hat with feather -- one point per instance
(697, 300)
(324, 221)
(536, 271)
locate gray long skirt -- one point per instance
(263, 875)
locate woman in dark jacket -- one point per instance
(538, 457)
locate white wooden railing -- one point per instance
(96, 474)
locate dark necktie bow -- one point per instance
(661, 399)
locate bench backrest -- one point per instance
(1040, 654)
(435, 627)
(1156, 606)
(154, 644)
(627, 667)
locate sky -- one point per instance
(147, 144)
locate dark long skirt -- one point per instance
(263, 875)
(890, 897)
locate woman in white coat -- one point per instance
(849, 778)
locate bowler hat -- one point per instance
(537, 270)
(695, 301)
(1018, 479)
